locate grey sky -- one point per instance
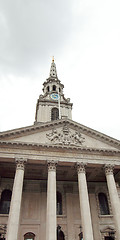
(31, 30)
(84, 37)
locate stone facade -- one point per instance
(59, 179)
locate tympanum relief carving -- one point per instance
(65, 137)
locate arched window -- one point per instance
(54, 88)
(60, 233)
(48, 88)
(54, 114)
(103, 202)
(29, 236)
(59, 203)
(5, 201)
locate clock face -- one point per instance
(54, 96)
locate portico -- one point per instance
(68, 169)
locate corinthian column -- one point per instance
(84, 203)
(14, 214)
(51, 202)
(114, 198)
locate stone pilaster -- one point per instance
(84, 203)
(15, 206)
(51, 202)
(114, 198)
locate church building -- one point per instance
(59, 180)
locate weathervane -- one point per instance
(52, 58)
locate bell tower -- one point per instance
(52, 104)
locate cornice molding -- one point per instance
(50, 102)
(79, 148)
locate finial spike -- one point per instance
(53, 72)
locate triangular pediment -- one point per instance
(63, 133)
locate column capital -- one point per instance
(20, 162)
(108, 169)
(81, 167)
(51, 165)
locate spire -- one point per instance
(53, 100)
(53, 71)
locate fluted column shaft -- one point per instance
(114, 198)
(84, 203)
(14, 214)
(51, 202)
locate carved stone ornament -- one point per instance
(107, 232)
(81, 167)
(3, 229)
(108, 169)
(65, 137)
(20, 162)
(52, 165)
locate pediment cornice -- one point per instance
(49, 125)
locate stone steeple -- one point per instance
(53, 105)
(53, 71)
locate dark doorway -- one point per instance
(109, 238)
(60, 234)
(5, 201)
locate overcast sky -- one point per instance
(84, 37)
